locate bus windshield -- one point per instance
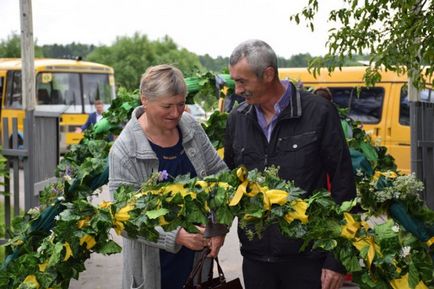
(72, 92)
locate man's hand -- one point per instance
(331, 279)
(215, 244)
(194, 242)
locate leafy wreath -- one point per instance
(51, 243)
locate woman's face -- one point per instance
(164, 112)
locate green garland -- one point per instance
(381, 256)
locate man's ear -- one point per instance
(269, 74)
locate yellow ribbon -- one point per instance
(350, 229)
(105, 205)
(120, 217)
(272, 197)
(299, 212)
(83, 222)
(241, 190)
(68, 251)
(402, 283)
(373, 248)
(241, 174)
(31, 279)
(430, 242)
(221, 152)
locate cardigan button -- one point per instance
(202, 173)
(294, 146)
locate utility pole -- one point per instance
(29, 99)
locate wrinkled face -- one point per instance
(247, 84)
(99, 108)
(164, 112)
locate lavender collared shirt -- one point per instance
(267, 128)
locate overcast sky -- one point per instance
(201, 26)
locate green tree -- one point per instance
(71, 50)
(131, 56)
(396, 34)
(11, 47)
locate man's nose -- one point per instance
(239, 89)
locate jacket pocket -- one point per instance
(246, 156)
(300, 150)
(134, 284)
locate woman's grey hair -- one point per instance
(162, 80)
(259, 55)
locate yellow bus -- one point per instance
(383, 110)
(69, 87)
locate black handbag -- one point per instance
(212, 283)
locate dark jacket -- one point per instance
(307, 143)
(90, 120)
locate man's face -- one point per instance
(99, 108)
(247, 84)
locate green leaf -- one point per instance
(111, 247)
(413, 276)
(154, 214)
(56, 254)
(224, 215)
(327, 245)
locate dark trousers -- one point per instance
(299, 273)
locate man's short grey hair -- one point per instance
(259, 55)
(162, 80)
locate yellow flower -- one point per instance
(274, 197)
(68, 251)
(43, 266)
(178, 188)
(224, 185)
(221, 152)
(83, 222)
(299, 212)
(123, 215)
(162, 221)
(89, 240)
(402, 283)
(105, 205)
(31, 279)
(350, 229)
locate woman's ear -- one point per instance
(144, 100)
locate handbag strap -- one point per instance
(219, 269)
(196, 269)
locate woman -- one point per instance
(160, 137)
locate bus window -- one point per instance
(404, 107)
(13, 95)
(96, 86)
(59, 89)
(365, 105)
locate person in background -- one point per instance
(161, 138)
(93, 117)
(324, 92)
(300, 133)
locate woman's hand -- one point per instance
(215, 244)
(194, 241)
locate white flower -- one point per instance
(395, 228)
(362, 263)
(67, 178)
(57, 218)
(405, 251)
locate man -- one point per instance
(94, 117)
(301, 134)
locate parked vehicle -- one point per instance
(383, 110)
(68, 87)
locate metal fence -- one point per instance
(32, 158)
(422, 147)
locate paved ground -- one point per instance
(104, 272)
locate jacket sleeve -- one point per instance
(121, 173)
(339, 167)
(87, 123)
(337, 159)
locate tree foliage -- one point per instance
(396, 34)
(71, 50)
(11, 47)
(131, 56)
